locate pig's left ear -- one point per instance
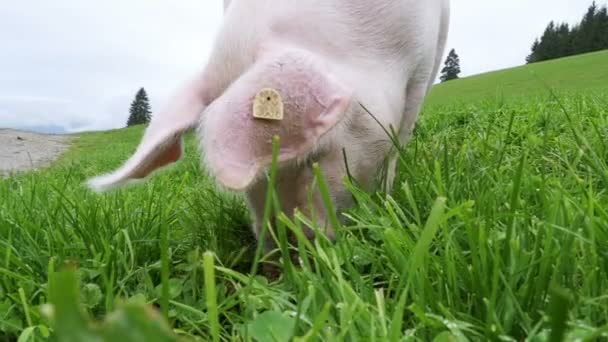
(162, 141)
(290, 97)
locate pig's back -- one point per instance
(338, 28)
(377, 35)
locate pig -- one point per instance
(340, 73)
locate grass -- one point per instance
(497, 229)
(583, 73)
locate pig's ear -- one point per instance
(161, 144)
(237, 145)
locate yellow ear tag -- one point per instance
(268, 105)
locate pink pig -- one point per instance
(326, 58)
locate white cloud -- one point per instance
(78, 64)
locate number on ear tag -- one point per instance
(268, 105)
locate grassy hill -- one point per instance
(496, 230)
(584, 73)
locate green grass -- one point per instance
(497, 230)
(583, 73)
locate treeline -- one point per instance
(561, 40)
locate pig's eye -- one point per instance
(268, 98)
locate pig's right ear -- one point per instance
(162, 141)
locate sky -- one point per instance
(73, 65)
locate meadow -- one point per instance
(497, 229)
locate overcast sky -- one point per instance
(76, 65)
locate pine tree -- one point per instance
(597, 26)
(451, 69)
(584, 41)
(533, 57)
(140, 112)
(564, 46)
(561, 40)
(603, 27)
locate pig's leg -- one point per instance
(415, 95)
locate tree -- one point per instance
(451, 70)
(533, 57)
(603, 27)
(140, 112)
(562, 40)
(584, 41)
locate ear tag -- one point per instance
(268, 105)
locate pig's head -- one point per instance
(237, 146)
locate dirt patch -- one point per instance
(25, 151)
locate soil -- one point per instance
(26, 151)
